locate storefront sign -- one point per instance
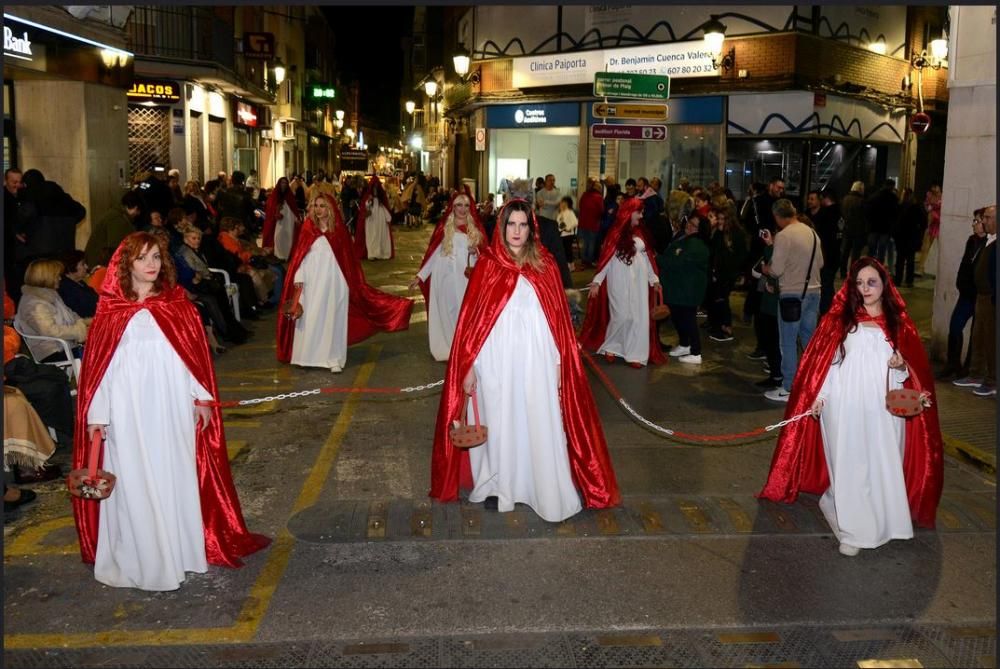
(33, 46)
(533, 116)
(246, 115)
(154, 90)
(258, 45)
(676, 60)
(640, 133)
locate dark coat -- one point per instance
(684, 271)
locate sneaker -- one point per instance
(678, 351)
(777, 395)
(849, 551)
(985, 390)
(757, 354)
(967, 382)
(721, 336)
(690, 359)
(770, 382)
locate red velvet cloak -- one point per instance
(595, 323)
(271, 212)
(492, 284)
(438, 235)
(226, 536)
(360, 245)
(799, 463)
(369, 310)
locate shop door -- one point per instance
(148, 138)
(216, 147)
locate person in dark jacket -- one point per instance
(881, 211)
(684, 276)
(73, 287)
(729, 247)
(116, 224)
(908, 234)
(956, 365)
(48, 216)
(852, 209)
(827, 223)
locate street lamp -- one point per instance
(279, 71)
(715, 35)
(340, 115)
(410, 106)
(461, 61)
(430, 87)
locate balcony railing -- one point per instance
(187, 33)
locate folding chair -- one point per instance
(232, 290)
(71, 365)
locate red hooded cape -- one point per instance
(226, 536)
(369, 310)
(273, 209)
(492, 283)
(799, 464)
(595, 324)
(360, 245)
(438, 235)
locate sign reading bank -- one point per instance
(676, 60)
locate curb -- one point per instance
(962, 450)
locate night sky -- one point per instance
(359, 31)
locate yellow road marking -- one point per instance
(29, 542)
(956, 447)
(240, 423)
(259, 598)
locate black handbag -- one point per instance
(791, 307)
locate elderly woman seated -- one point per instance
(43, 312)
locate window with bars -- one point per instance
(148, 137)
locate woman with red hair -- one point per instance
(875, 471)
(281, 219)
(327, 305)
(174, 508)
(622, 293)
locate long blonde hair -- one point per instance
(450, 228)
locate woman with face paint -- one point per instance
(877, 473)
(514, 348)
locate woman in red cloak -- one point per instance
(174, 507)
(373, 232)
(281, 220)
(875, 471)
(515, 348)
(317, 325)
(616, 325)
(454, 246)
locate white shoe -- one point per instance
(678, 351)
(777, 395)
(849, 551)
(336, 370)
(690, 359)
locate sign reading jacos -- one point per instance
(625, 85)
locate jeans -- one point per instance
(766, 328)
(905, 267)
(852, 250)
(878, 245)
(588, 245)
(965, 309)
(790, 334)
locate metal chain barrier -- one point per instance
(228, 404)
(674, 434)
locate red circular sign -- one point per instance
(920, 123)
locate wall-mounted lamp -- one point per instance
(279, 71)
(878, 47)
(461, 61)
(340, 115)
(112, 57)
(430, 87)
(410, 106)
(936, 58)
(715, 36)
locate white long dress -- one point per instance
(150, 529)
(448, 284)
(284, 232)
(320, 338)
(525, 458)
(377, 231)
(627, 335)
(866, 504)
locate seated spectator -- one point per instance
(73, 287)
(43, 312)
(251, 261)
